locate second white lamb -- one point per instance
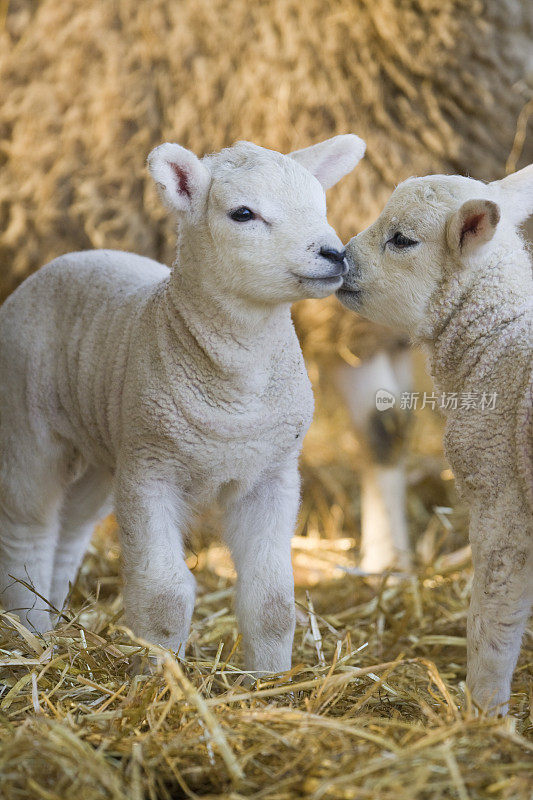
(445, 261)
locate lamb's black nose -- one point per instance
(335, 256)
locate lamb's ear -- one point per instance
(180, 176)
(516, 193)
(332, 159)
(472, 225)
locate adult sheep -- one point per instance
(90, 87)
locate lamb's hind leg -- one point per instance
(30, 498)
(502, 595)
(86, 502)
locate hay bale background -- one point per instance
(87, 89)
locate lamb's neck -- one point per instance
(474, 317)
(232, 339)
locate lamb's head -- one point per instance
(431, 229)
(253, 221)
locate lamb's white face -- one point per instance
(429, 228)
(267, 219)
(258, 218)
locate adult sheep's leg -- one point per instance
(502, 595)
(159, 589)
(86, 502)
(383, 434)
(259, 528)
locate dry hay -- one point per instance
(87, 88)
(372, 709)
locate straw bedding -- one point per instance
(374, 707)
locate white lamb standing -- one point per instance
(174, 389)
(445, 261)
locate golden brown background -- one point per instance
(88, 87)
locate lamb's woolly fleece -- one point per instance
(102, 374)
(482, 342)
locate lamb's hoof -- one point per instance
(376, 563)
(142, 664)
(247, 680)
(490, 702)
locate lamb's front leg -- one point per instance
(259, 530)
(502, 593)
(159, 589)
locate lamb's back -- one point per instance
(64, 336)
(74, 283)
(99, 274)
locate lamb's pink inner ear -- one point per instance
(472, 225)
(182, 179)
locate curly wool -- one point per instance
(482, 345)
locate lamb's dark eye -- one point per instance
(401, 241)
(242, 214)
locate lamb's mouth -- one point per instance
(327, 280)
(349, 296)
